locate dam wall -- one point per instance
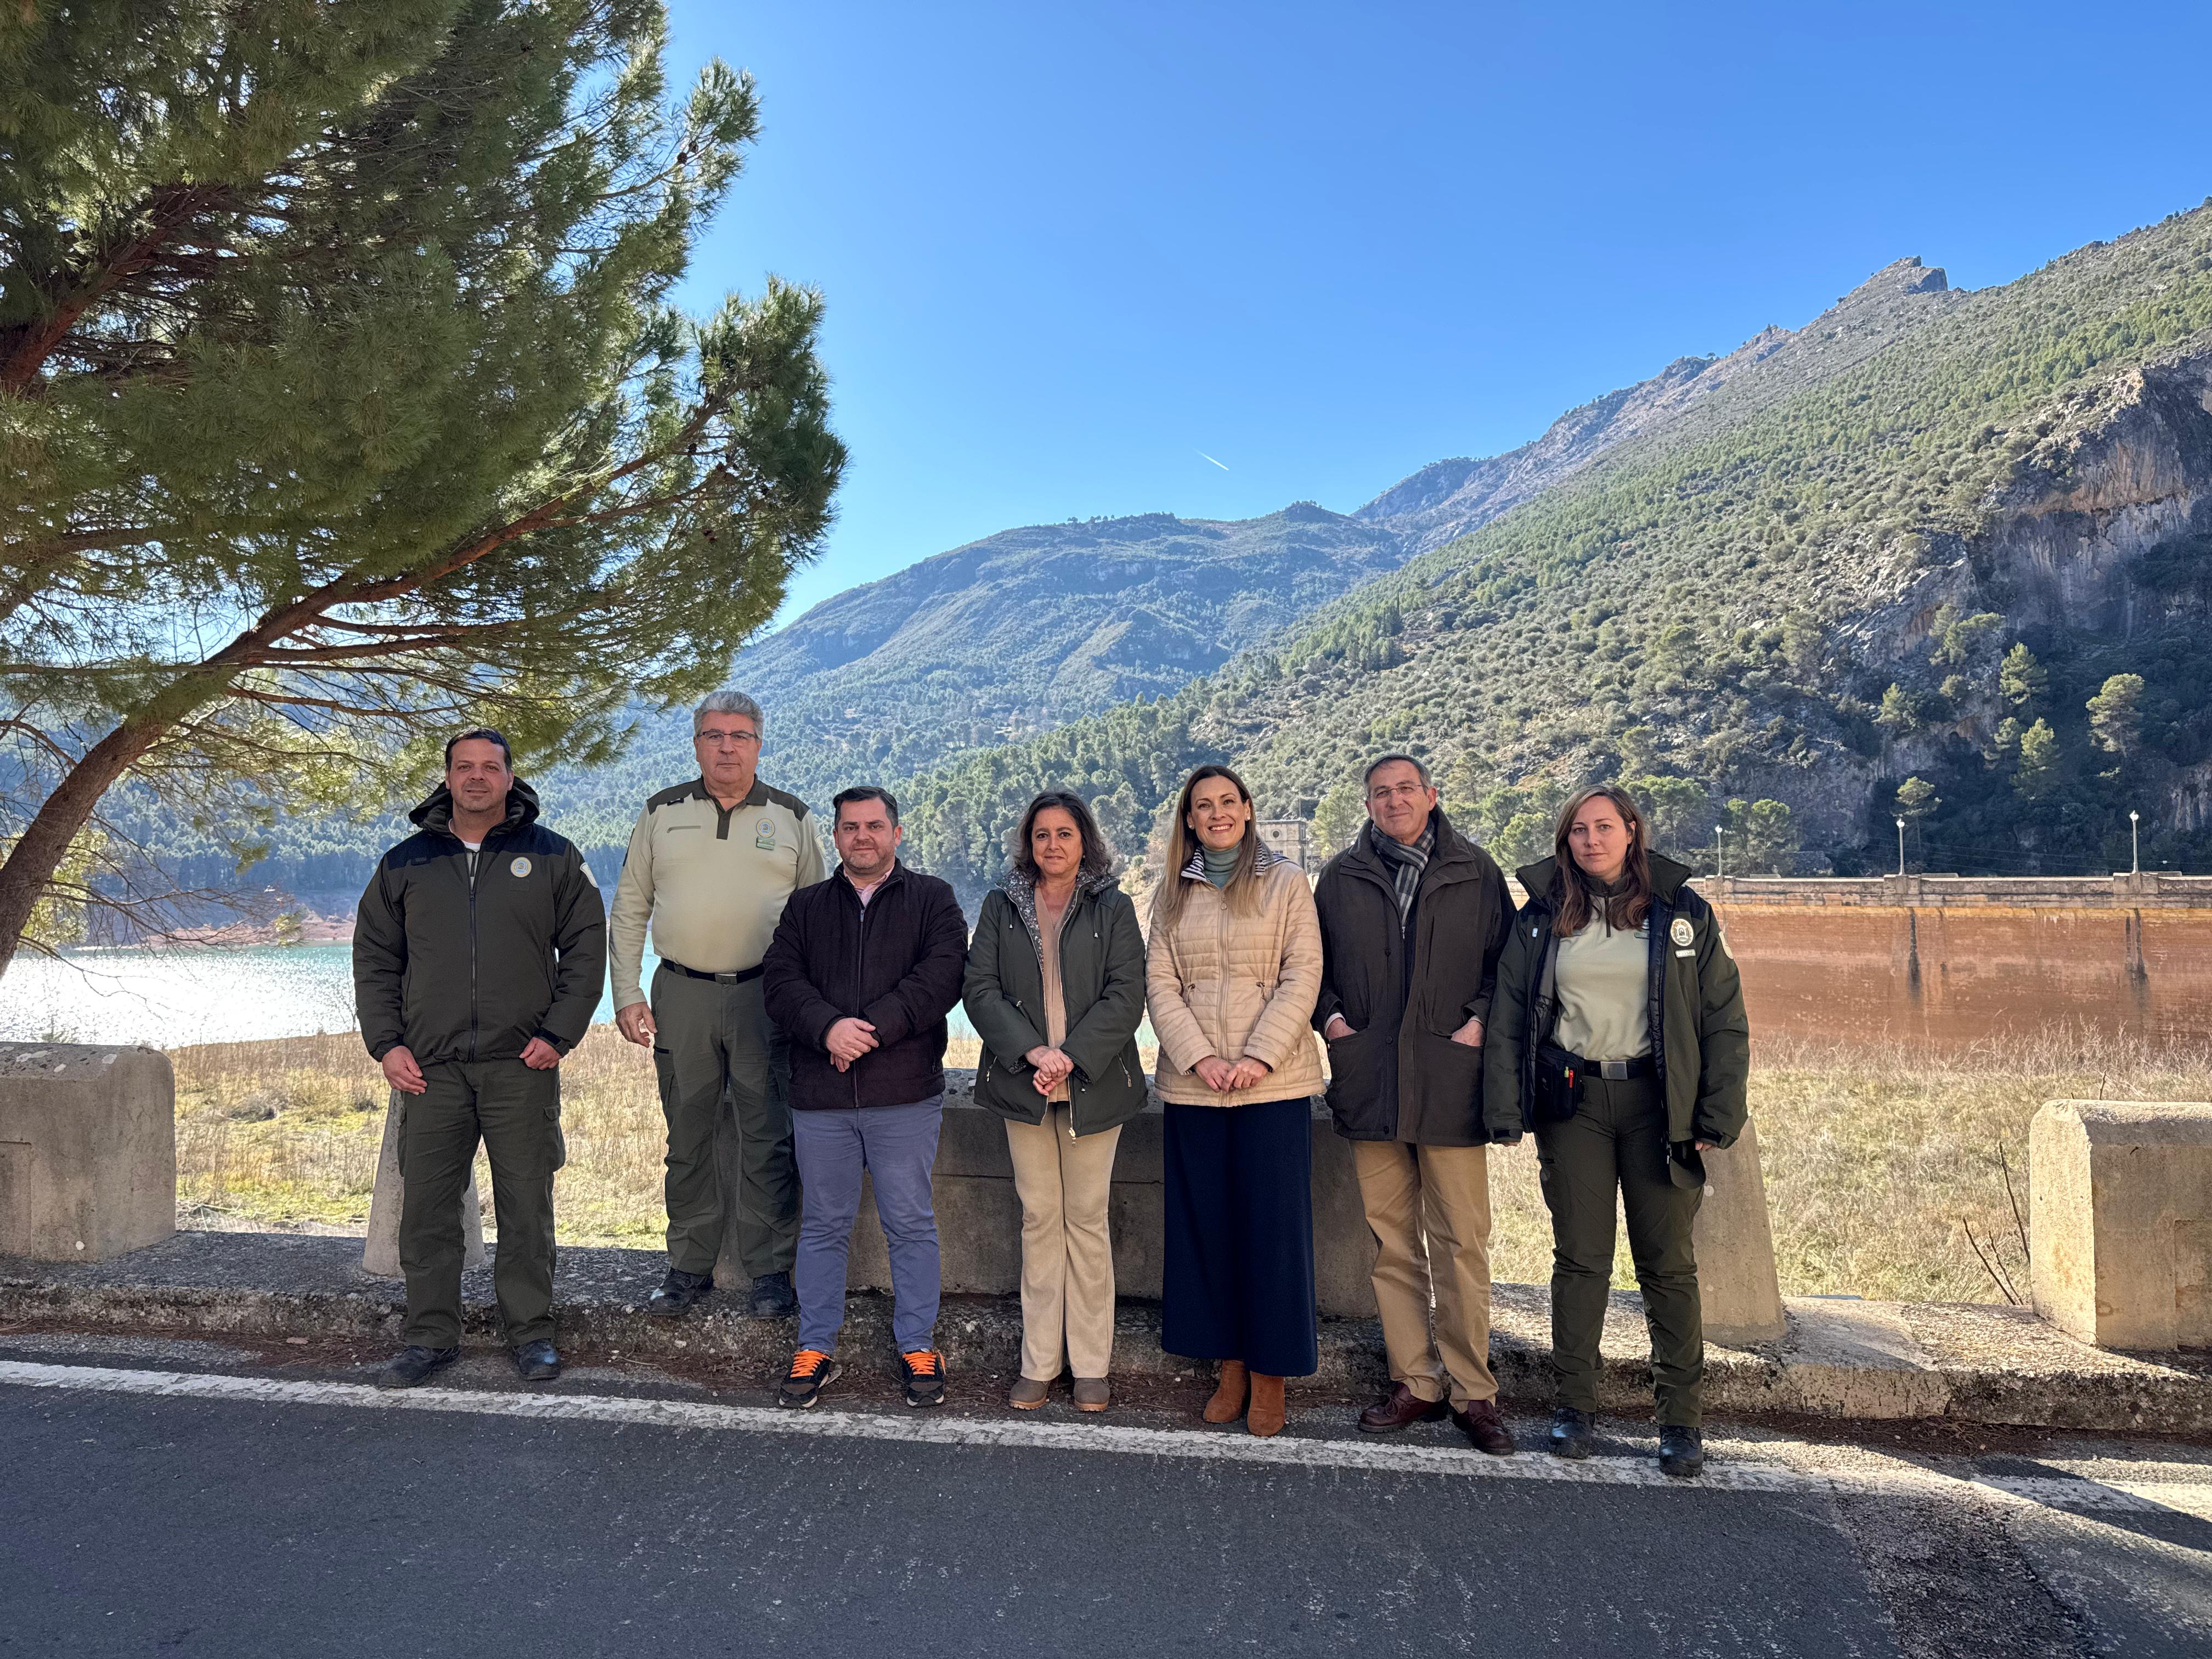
(1948, 961)
(1953, 975)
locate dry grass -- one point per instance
(1884, 1168)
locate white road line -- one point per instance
(1194, 1445)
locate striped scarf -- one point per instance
(1407, 863)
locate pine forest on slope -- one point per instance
(1938, 554)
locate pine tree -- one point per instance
(1338, 819)
(1917, 799)
(1677, 813)
(1765, 836)
(2021, 680)
(342, 402)
(2036, 774)
(2116, 715)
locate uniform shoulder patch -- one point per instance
(681, 793)
(1681, 932)
(790, 803)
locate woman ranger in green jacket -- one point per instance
(1055, 989)
(1618, 1024)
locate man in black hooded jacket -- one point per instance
(477, 956)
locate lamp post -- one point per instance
(1720, 870)
(1900, 847)
(2135, 843)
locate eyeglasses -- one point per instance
(1402, 791)
(726, 740)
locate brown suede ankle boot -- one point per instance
(1267, 1414)
(1228, 1402)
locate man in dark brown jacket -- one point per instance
(1413, 917)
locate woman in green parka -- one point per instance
(1618, 1024)
(1055, 989)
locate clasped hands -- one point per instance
(1224, 1077)
(1053, 1067)
(847, 1040)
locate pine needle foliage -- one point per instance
(343, 400)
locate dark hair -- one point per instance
(1624, 910)
(1098, 857)
(862, 792)
(1382, 760)
(480, 734)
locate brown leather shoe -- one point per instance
(1484, 1429)
(1228, 1393)
(1400, 1408)
(1268, 1414)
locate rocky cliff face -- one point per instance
(2101, 539)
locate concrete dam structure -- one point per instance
(1949, 961)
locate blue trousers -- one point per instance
(1237, 1282)
(897, 1146)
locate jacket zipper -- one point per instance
(1221, 996)
(476, 860)
(859, 979)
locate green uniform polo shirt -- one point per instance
(712, 883)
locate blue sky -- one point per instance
(1067, 248)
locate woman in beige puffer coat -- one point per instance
(1232, 973)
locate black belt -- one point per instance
(737, 978)
(1614, 1071)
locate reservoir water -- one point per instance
(168, 997)
(1922, 976)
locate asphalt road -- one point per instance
(240, 1510)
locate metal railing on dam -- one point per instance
(2151, 888)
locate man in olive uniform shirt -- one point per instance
(477, 956)
(711, 865)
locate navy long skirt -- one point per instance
(1237, 1282)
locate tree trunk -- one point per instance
(29, 869)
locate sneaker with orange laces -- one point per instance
(924, 1372)
(811, 1371)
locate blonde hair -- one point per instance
(1242, 887)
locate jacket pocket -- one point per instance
(1355, 1085)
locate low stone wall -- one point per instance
(979, 1222)
(978, 1217)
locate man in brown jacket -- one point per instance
(1413, 917)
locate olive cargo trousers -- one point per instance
(516, 1113)
(716, 1042)
(1616, 1142)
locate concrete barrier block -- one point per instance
(2120, 1221)
(379, 1254)
(1740, 1295)
(88, 1151)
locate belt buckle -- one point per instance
(1614, 1071)
(726, 979)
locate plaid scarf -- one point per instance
(1407, 863)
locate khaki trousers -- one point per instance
(1428, 1209)
(1067, 1256)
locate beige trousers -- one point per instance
(1428, 1209)
(1067, 1257)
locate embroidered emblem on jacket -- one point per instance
(519, 867)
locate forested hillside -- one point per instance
(1936, 553)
